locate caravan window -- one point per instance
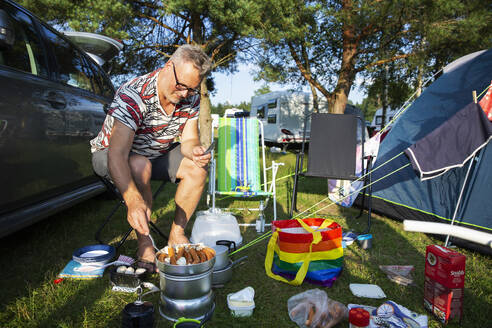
(272, 103)
(379, 120)
(261, 112)
(272, 118)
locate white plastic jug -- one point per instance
(217, 225)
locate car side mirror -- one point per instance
(7, 36)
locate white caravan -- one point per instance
(235, 112)
(282, 114)
(377, 120)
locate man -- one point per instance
(136, 143)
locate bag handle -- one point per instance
(301, 274)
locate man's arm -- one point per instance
(120, 144)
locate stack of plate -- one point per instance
(94, 255)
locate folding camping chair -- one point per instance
(236, 170)
(332, 152)
(115, 192)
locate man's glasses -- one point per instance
(182, 87)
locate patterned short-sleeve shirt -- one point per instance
(136, 105)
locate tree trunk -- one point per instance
(419, 81)
(205, 119)
(384, 96)
(346, 76)
(315, 98)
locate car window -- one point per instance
(102, 85)
(72, 69)
(26, 53)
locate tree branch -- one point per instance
(155, 20)
(305, 73)
(152, 6)
(384, 61)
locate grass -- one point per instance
(31, 259)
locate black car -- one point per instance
(53, 97)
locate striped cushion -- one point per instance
(238, 164)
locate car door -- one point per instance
(32, 124)
(80, 85)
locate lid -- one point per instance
(220, 249)
(367, 290)
(359, 317)
(364, 237)
(240, 306)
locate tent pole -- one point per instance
(459, 198)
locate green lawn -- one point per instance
(32, 258)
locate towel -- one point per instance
(69, 272)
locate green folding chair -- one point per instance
(237, 169)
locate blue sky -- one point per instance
(238, 87)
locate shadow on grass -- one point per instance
(32, 258)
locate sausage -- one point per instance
(310, 316)
(180, 252)
(209, 253)
(194, 255)
(173, 259)
(296, 309)
(188, 257)
(202, 256)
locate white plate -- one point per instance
(94, 253)
(367, 290)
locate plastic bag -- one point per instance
(313, 308)
(401, 274)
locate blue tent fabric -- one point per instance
(402, 195)
(452, 144)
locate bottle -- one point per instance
(359, 318)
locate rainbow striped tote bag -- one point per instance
(305, 249)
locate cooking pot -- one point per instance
(186, 287)
(184, 270)
(224, 275)
(197, 308)
(222, 250)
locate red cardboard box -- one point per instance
(444, 282)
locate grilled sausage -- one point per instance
(194, 255)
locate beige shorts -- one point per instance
(164, 167)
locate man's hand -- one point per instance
(199, 158)
(139, 216)
(177, 236)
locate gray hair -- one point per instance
(195, 55)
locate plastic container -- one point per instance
(211, 226)
(132, 280)
(359, 318)
(240, 309)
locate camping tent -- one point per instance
(402, 195)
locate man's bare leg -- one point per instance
(141, 169)
(187, 197)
